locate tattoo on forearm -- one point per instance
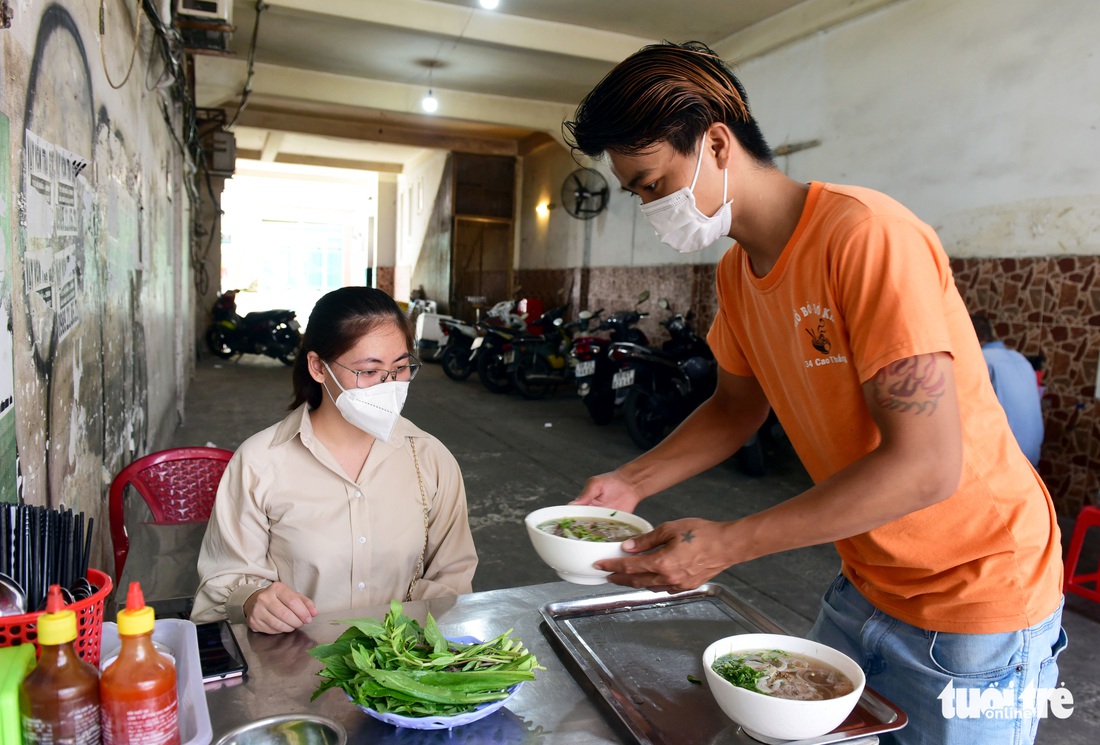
(914, 384)
(687, 536)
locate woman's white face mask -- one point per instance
(678, 221)
(375, 410)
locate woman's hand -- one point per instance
(609, 490)
(277, 609)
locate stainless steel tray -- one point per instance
(635, 650)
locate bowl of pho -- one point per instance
(570, 538)
(782, 687)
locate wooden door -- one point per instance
(481, 265)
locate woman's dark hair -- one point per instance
(665, 93)
(337, 322)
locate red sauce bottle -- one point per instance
(138, 690)
(59, 699)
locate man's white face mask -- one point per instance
(374, 410)
(678, 221)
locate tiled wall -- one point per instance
(1050, 306)
(1042, 305)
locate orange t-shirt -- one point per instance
(860, 284)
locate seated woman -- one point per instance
(344, 503)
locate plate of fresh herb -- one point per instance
(411, 675)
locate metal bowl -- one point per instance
(288, 729)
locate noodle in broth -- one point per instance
(774, 672)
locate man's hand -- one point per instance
(277, 609)
(609, 490)
(682, 555)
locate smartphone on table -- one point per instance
(220, 656)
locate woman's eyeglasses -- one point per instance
(367, 378)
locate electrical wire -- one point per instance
(261, 6)
(103, 42)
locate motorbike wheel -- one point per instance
(649, 417)
(289, 341)
(532, 363)
(456, 362)
(492, 371)
(218, 343)
(601, 406)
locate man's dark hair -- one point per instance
(983, 328)
(665, 93)
(336, 324)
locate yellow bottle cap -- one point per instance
(137, 618)
(58, 624)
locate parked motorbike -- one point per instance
(667, 384)
(541, 362)
(275, 333)
(594, 370)
(455, 356)
(488, 351)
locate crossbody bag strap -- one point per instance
(424, 504)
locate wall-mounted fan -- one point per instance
(584, 193)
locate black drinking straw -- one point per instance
(5, 540)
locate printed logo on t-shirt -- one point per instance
(817, 321)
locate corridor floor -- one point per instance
(519, 455)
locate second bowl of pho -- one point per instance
(570, 538)
(782, 687)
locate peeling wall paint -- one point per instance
(96, 282)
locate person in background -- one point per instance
(345, 503)
(838, 310)
(1016, 386)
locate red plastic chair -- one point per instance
(1076, 583)
(179, 486)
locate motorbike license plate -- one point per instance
(477, 342)
(509, 357)
(588, 367)
(623, 378)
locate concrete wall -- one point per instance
(417, 189)
(978, 115)
(95, 276)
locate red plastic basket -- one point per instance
(16, 630)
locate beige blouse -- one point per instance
(286, 511)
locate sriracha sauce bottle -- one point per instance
(138, 690)
(59, 699)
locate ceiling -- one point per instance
(339, 82)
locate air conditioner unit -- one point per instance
(212, 10)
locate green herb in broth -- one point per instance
(594, 530)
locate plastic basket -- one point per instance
(15, 630)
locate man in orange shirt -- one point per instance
(838, 310)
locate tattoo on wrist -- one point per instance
(687, 536)
(914, 384)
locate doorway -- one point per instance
(481, 264)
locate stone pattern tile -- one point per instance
(1050, 306)
(1047, 306)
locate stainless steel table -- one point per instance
(554, 709)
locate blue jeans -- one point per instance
(912, 668)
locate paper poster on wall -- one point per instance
(9, 465)
(52, 227)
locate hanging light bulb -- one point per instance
(429, 103)
(490, 4)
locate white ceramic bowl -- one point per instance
(573, 559)
(763, 716)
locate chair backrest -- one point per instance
(179, 485)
